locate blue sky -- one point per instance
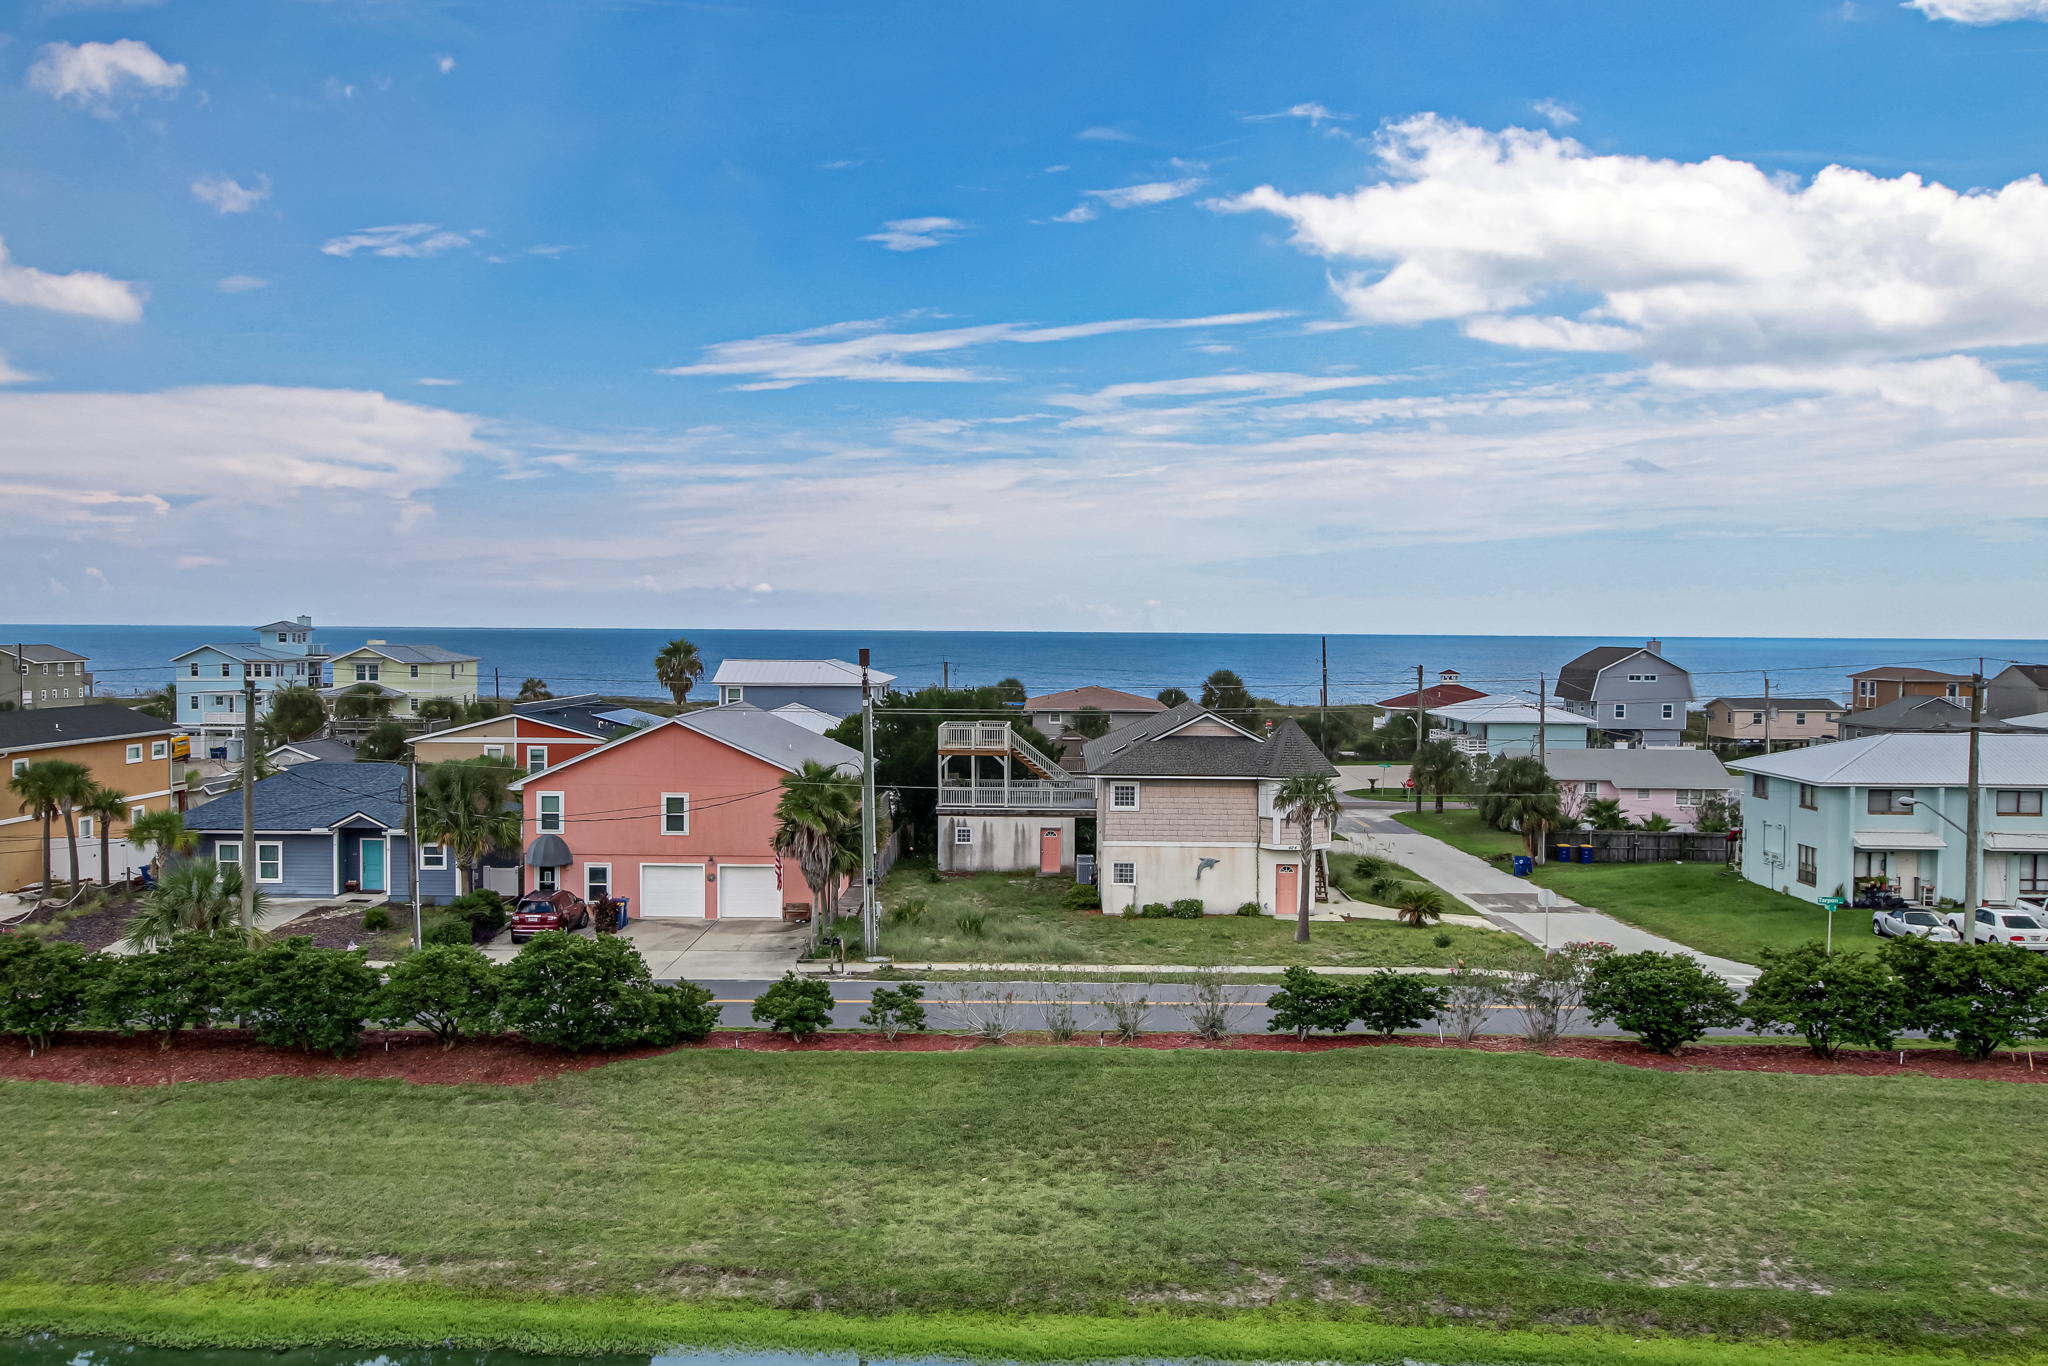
(1444, 316)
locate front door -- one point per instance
(1049, 850)
(1287, 889)
(372, 879)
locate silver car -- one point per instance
(1897, 924)
(2018, 928)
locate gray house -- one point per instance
(830, 685)
(2017, 690)
(321, 827)
(1907, 714)
(1633, 694)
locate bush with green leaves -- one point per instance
(1388, 1002)
(449, 990)
(45, 988)
(447, 931)
(294, 995)
(1830, 1000)
(799, 1005)
(183, 985)
(1082, 897)
(595, 994)
(892, 1010)
(1155, 910)
(910, 912)
(486, 911)
(1983, 996)
(1309, 1002)
(1665, 999)
(377, 918)
(1251, 908)
(1187, 908)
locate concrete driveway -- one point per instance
(698, 950)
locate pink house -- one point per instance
(678, 818)
(1669, 781)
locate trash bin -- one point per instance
(1585, 853)
(1561, 852)
(1524, 865)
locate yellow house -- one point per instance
(126, 750)
(409, 674)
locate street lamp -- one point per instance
(1912, 803)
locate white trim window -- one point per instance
(17, 768)
(1620, 711)
(136, 813)
(1642, 678)
(227, 854)
(415, 671)
(269, 861)
(675, 813)
(548, 814)
(160, 749)
(367, 673)
(597, 881)
(1123, 874)
(545, 880)
(85, 827)
(1642, 794)
(134, 754)
(731, 693)
(1123, 797)
(1866, 687)
(1670, 711)
(433, 857)
(963, 833)
(536, 758)
(494, 751)
(1690, 796)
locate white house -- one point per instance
(829, 685)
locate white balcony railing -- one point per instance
(1021, 795)
(974, 735)
(221, 718)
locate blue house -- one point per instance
(829, 685)
(208, 681)
(1503, 726)
(323, 829)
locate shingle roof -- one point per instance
(1781, 703)
(41, 654)
(282, 625)
(76, 725)
(796, 673)
(1103, 699)
(326, 751)
(583, 714)
(1911, 713)
(1435, 695)
(1145, 749)
(312, 797)
(411, 654)
(1906, 675)
(2037, 674)
(1910, 759)
(1652, 768)
(1575, 680)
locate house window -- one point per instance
(1124, 874)
(415, 671)
(2019, 803)
(85, 827)
(1809, 866)
(547, 813)
(367, 673)
(1670, 710)
(160, 749)
(1759, 786)
(1620, 710)
(2032, 870)
(963, 833)
(228, 854)
(136, 813)
(269, 862)
(1866, 687)
(1756, 718)
(675, 813)
(1890, 801)
(1809, 797)
(224, 671)
(1590, 791)
(433, 857)
(1642, 794)
(597, 881)
(1642, 678)
(20, 767)
(494, 751)
(135, 754)
(1798, 718)
(195, 668)
(731, 694)
(1123, 796)
(544, 879)
(1052, 718)
(1952, 691)
(536, 758)
(1690, 796)
(194, 700)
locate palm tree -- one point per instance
(105, 806)
(678, 667)
(1438, 768)
(162, 703)
(1172, 697)
(163, 831)
(1224, 693)
(295, 713)
(384, 744)
(466, 805)
(818, 804)
(42, 788)
(363, 702)
(197, 896)
(1604, 813)
(534, 690)
(1091, 723)
(1417, 904)
(1011, 692)
(1657, 823)
(1521, 797)
(1305, 799)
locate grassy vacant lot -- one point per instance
(1410, 1185)
(1702, 905)
(998, 918)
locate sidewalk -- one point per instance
(1021, 971)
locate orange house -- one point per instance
(679, 818)
(126, 750)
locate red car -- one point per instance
(538, 912)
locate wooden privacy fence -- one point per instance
(1644, 846)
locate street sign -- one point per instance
(1833, 903)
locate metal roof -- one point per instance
(1672, 767)
(408, 654)
(41, 654)
(795, 673)
(248, 651)
(312, 796)
(1910, 759)
(765, 735)
(1504, 711)
(807, 716)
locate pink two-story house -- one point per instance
(1670, 782)
(678, 818)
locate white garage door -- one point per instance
(671, 890)
(747, 893)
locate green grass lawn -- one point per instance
(1701, 905)
(1399, 1185)
(1002, 918)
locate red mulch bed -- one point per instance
(331, 927)
(227, 1055)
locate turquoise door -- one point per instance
(372, 879)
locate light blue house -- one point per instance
(829, 685)
(323, 829)
(1893, 809)
(208, 681)
(1501, 726)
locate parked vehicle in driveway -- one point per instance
(538, 912)
(1894, 924)
(2019, 928)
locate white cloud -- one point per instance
(916, 234)
(434, 383)
(231, 196)
(83, 292)
(1103, 133)
(444, 64)
(241, 284)
(1316, 114)
(1690, 262)
(399, 239)
(1554, 112)
(10, 375)
(1255, 385)
(862, 351)
(1981, 11)
(1080, 213)
(96, 76)
(189, 561)
(1128, 197)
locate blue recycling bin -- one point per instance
(1585, 853)
(1524, 865)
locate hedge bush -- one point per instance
(1830, 1000)
(1251, 908)
(293, 995)
(1665, 999)
(596, 994)
(1308, 1002)
(800, 1005)
(1082, 897)
(45, 988)
(185, 984)
(1188, 908)
(449, 990)
(1388, 1002)
(893, 1010)
(1983, 996)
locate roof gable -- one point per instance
(312, 797)
(1161, 746)
(739, 726)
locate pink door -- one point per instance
(1286, 890)
(1049, 860)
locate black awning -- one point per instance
(549, 851)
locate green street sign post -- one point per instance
(1831, 904)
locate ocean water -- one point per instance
(1284, 667)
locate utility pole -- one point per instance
(1415, 765)
(1323, 706)
(1542, 762)
(945, 675)
(497, 691)
(20, 676)
(1972, 826)
(412, 835)
(1767, 713)
(870, 911)
(248, 859)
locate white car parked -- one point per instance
(1925, 924)
(2019, 928)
